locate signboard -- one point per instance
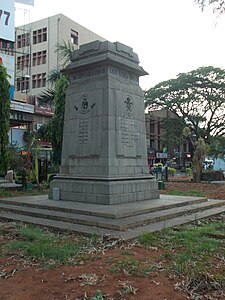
(29, 2)
(28, 108)
(44, 111)
(161, 155)
(7, 25)
(8, 62)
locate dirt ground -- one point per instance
(22, 278)
(211, 190)
(81, 281)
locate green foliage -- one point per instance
(53, 132)
(189, 248)
(31, 233)
(98, 296)
(211, 175)
(65, 51)
(188, 171)
(58, 119)
(4, 118)
(45, 246)
(46, 98)
(147, 239)
(197, 97)
(201, 150)
(51, 248)
(44, 132)
(186, 193)
(15, 159)
(173, 128)
(171, 170)
(217, 146)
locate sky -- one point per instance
(169, 36)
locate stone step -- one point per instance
(107, 211)
(112, 224)
(126, 235)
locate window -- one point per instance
(44, 56)
(34, 59)
(74, 37)
(23, 61)
(22, 84)
(40, 35)
(39, 80)
(23, 40)
(39, 58)
(34, 81)
(7, 47)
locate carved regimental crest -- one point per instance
(84, 105)
(129, 104)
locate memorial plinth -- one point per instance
(104, 154)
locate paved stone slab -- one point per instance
(126, 235)
(115, 211)
(116, 224)
(127, 221)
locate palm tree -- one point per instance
(56, 95)
(65, 51)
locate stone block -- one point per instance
(56, 194)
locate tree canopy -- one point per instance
(4, 118)
(53, 131)
(57, 121)
(218, 5)
(198, 97)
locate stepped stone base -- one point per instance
(119, 221)
(104, 191)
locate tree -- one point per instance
(65, 51)
(197, 97)
(218, 5)
(4, 118)
(54, 130)
(201, 149)
(173, 128)
(56, 123)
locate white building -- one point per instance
(36, 57)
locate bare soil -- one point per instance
(211, 190)
(22, 278)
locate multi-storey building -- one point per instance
(36, 57)
(178, 153)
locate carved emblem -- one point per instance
(84, 105)
(129, 103)
(84, 102)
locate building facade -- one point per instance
(36, 57)
(177, 153)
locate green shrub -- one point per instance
(211, 175)
(171, 171)
(188, 171)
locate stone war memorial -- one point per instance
(104, 154)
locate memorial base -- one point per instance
(105, 191)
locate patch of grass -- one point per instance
(37, 243)
(131, 266)
(31, 233)
(148, 239)
(190, 249)
(186, 193)
(126, 252)
(4, 193)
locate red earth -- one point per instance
(23, 278)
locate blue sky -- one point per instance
(169, 36)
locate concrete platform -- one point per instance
(125, 221)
